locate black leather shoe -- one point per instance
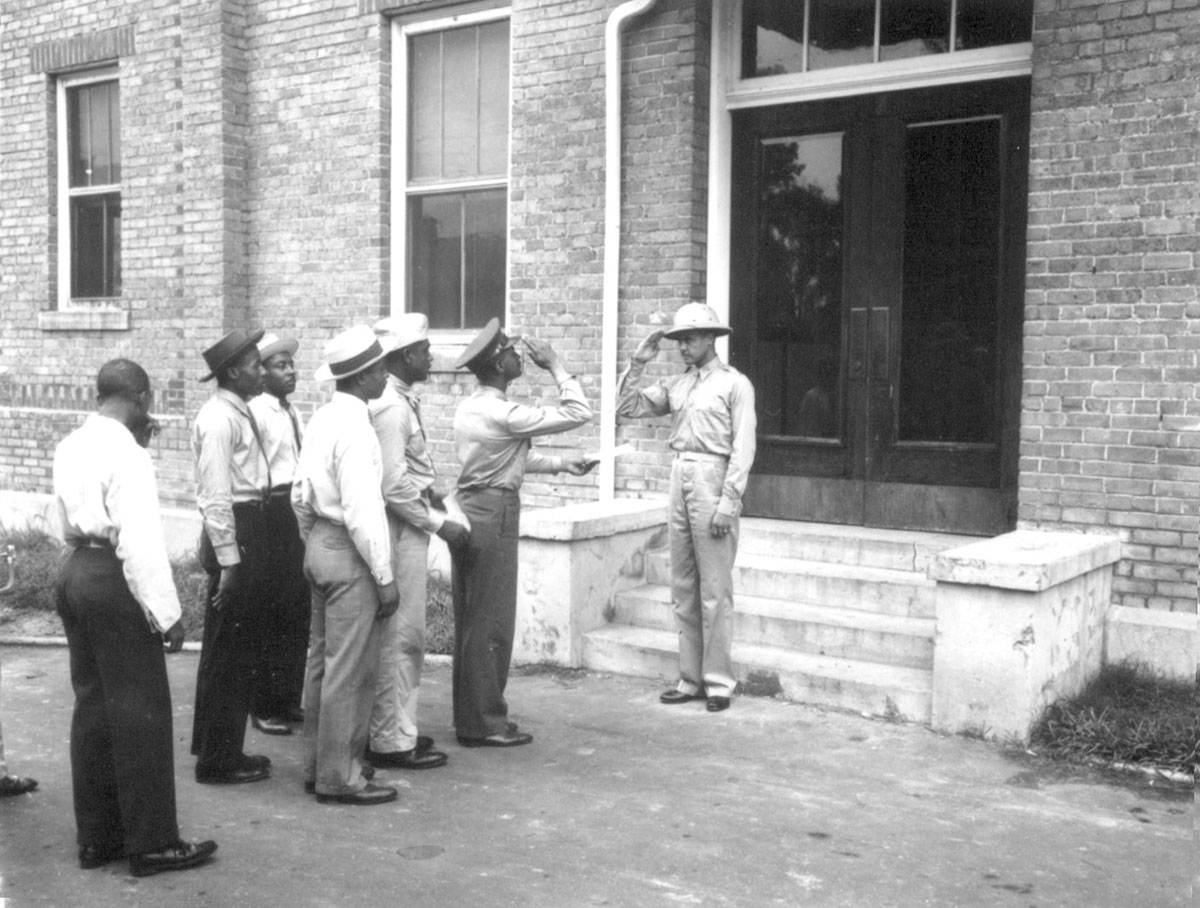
(256, 761)
(179, 856)
(716, 704)
(407, 759)
(237, 776)
(674, 696)
(367, 797)
(93, 856)
(503, 739)
(271, 725)
(424, 742)
(294, 714)
(12, 785)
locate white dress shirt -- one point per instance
(230, 468)
(340, 477)
(105, 489)
(282, 433)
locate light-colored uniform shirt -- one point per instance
(230, 468)
(282, 432)
(492, 434)
(339, 480)
(105, 489)
(407, 467)
(712, 412)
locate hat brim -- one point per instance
(250, 343)
(325, 373)
(719, 330)
(289, 346)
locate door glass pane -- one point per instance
(914, 28)
(774, 35)
(950, 284)
(799, 283)
(841, 33)
(987, 23)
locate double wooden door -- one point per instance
(876, 302)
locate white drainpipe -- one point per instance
(612, 241)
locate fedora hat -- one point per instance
(696, 317)
(228, 350)
(405, 330)
(271, 344)
(484, 345)
(352, 351)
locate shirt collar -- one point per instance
(234, 400)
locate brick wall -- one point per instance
(1111, 423)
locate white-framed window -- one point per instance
(450, 168)
(89, 188)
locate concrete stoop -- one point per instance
(830, 615)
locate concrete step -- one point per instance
(895, 691)
(899, 550)
(882, 590)
(804, 627)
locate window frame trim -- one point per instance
(447, 340)
(64, 82)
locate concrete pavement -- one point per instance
(619, 802)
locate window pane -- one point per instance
(485, 253)
(950, 282)
(493, 99)
(457, 257)
(774, 34)
(425, 107)
(96, 246)
(460, 95)
(435, 259)
(799, 286)
(841, 33)
(914, 28)
(987, 23)
(93, 135)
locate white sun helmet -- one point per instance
(696, 317)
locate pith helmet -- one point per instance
(696, 317)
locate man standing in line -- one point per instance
(414, 511)
(233, 484)
(713, 438)
(118, 604)
(282, 635)
(493, 439)
(348, 561)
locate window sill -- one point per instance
(84, 320)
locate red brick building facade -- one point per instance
(271, 174)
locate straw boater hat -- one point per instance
(271, 344)
(228, 350)
(696, 317)
(352, 351)
(404, 330)
(485, 345)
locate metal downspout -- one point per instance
(612, 240)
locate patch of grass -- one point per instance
(1127, 714)
(38, 558)
(439, 616)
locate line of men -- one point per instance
(316, 540)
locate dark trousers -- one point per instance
(122, 758)
(485, 611)
(228, 649)
(283, 616)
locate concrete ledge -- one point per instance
(1164, 641)
(1025, 559)
(593, 519)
